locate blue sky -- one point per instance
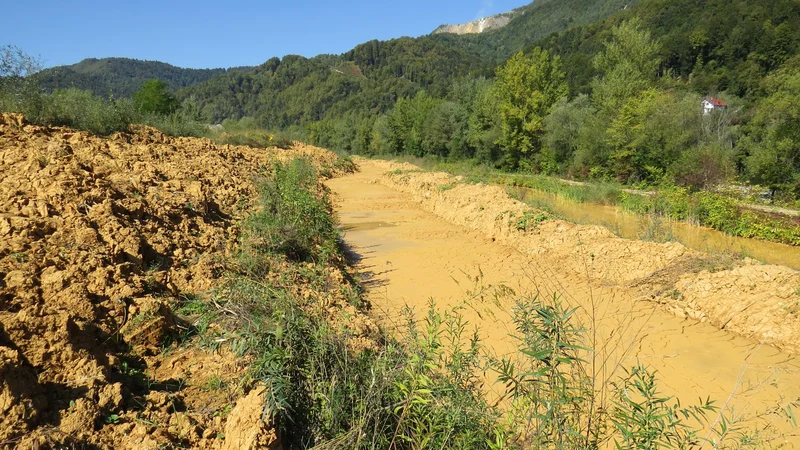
(204, 34)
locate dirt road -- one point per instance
(408, 256)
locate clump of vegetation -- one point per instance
(530, 220)
(246, 131)
(323, 391)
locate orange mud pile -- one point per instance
(98, 237)
(744, 296)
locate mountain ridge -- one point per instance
(121, 77)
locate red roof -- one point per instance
(717, 102)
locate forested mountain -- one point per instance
(617, 99)
(121, 77)
(714, 45)
(298, 91)
(369, 78)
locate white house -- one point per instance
(711, 104)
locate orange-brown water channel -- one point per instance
(408, 256)
(635, 226)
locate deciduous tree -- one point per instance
(154, 97)
(527, 88)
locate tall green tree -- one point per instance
(628, 65)
(406, 122)
(527, 88)
(573, 136)
(18, 90)
(154, 97)
(773, 142)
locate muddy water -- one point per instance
(408, 256)
(636, 226)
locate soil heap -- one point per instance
(98, 238)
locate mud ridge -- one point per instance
(743, 296)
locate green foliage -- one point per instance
(17, 89)
(405, 124)
(573, 133)
(291, 220)
(82, 110)
(323, 391)
(546, 383)
(530, 220)
(717, 211)
(646, 420)
(528, 87)
(179, 123)
(704, 166)
(649, 133)
(154, 97)
(628, 65)
(773, 144)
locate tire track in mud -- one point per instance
(409, 254)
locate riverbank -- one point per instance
(722, 212)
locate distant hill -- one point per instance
(121, 77)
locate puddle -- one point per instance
(365, 226)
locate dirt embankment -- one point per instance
(99, 240)
(743, 296)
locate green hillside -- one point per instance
(712, 45)
(369, 78)
(120, 77)
(536, 21)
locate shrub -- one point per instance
(84, 111)
(176, 124)
(292, 220)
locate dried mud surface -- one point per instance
(757, 301)
(99, 237)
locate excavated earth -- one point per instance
(99, 239)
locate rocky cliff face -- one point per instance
(481, 25)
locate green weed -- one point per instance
(215, 383)
(530, 220)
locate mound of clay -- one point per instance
(98, 238)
